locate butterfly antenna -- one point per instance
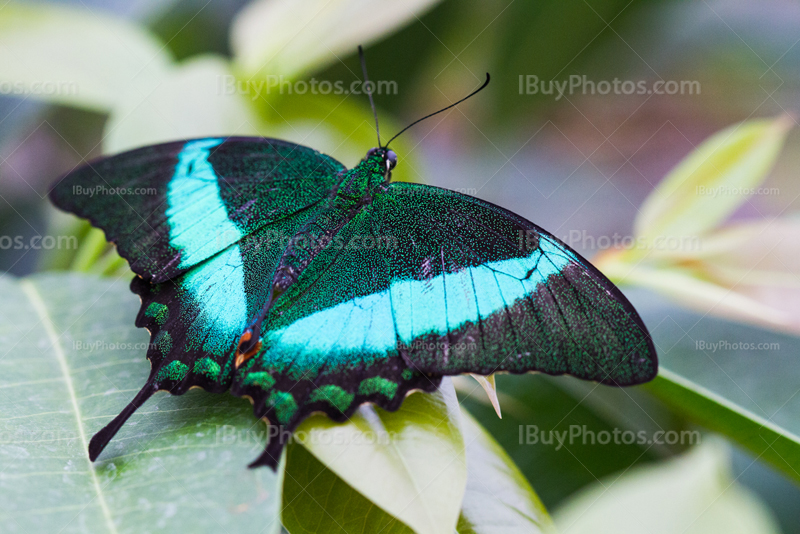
(473, 93)
(369, 93)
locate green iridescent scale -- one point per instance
(269, 270)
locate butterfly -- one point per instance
(268, 269)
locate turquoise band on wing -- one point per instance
(409, 309)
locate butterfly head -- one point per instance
(383, 158)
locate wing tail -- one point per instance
(104, 436)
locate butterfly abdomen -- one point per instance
(316, 235)
(324, 231)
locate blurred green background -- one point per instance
(579, 165)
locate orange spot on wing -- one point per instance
(242, 357)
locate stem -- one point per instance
(90, 251)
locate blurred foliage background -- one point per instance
(583, 166)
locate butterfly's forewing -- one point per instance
(195, 320)
(476, 288)
(169, 207)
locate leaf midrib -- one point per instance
(49, 327)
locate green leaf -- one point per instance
(536, 407)
(551, 39)
(692, 494)
(316, 500)
(736, 379)
(419, 448)
(273, 38)
(91, 250)
(498, 498)
(76, 57)
(72, 359)
(753, 431)
(713, 180)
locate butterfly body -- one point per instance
(271, 271)
(354, 193)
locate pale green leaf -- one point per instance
(498, 499)
(316, 500)
(758, 261)
(688, 287)
(420, 449)
(489, 386)
(713, 180)
(765, 252)
(273, 38)
(692, 494)
(341, 126)
(71, 360)
(191, 101)
(76, 56)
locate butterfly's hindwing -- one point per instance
(330, 342)
(196, 319)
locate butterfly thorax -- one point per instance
(353, 194)
(373, 171)
(315, 236)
